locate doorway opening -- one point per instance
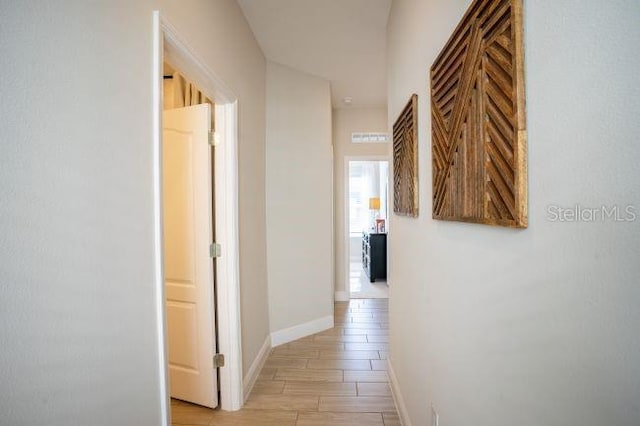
(367, 227)
(170, 48)
(188, 210)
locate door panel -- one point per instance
(188, 269)
(182, 322)
(178, 207)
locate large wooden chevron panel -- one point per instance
(479, 143)
(405, 160)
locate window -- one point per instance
(367, 179)
(359, 137)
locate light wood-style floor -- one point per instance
(334, 378)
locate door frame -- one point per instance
(169, 46)
(345, 221)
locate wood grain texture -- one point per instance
(340, 419)
(320, 389)
(350, 354)
(378, 365)
(391, 419)
(374, 389)
(275, 362)
(370, 376)
(342, 364)
(352, 339)
(356, 404)
(299, 377)
(367, 346)
(282, 402)
(268, 387)
(405, 160)
(478, 125)
(309, 375)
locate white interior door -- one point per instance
(188, 268)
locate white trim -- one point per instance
(256, 367)
(165, 411)
(296, 332)
(397, 396)
(227, 267)
(342, 296)
(345, 219)
(180, 55)
(170, 47)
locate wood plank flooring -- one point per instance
(334, 378)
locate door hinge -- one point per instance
(214, 139)
(215, 250)
(218, 361)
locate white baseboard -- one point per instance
(290, 334)
(256, 366)
(342, 296)
(397, 396)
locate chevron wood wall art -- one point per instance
(478, 127)
(405, 160)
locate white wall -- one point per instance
(345, 122)
(532, 327)
(77, 314)
(299, 197)
(355, 249)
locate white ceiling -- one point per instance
(342, 41)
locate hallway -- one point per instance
(333, 378)
(361, 288)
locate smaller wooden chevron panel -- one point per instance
(478, 119)
(405, 160)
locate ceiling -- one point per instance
(342, 41)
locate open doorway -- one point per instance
(188, 211)
(367, 225)
(222, 169)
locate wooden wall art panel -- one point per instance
(478, 127)
(405, 160)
